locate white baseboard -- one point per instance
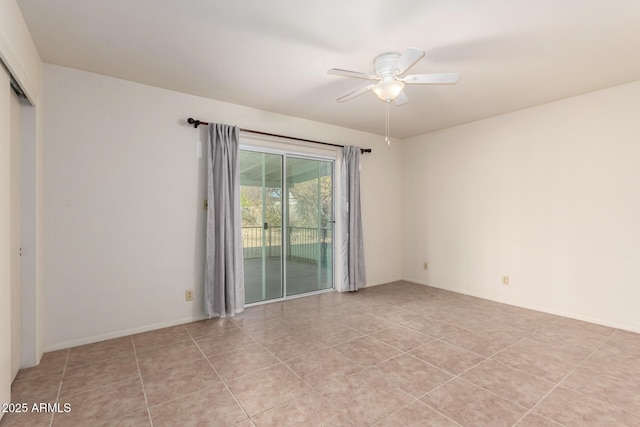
(121, 333)
(570, 315)
(378, 283)
(146, 328)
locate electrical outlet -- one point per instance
(188, 295)
(505, 280)
(426, 265)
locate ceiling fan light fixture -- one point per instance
(390, 69)
(388, 89)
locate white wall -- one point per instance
(123, 225)
(549, 196)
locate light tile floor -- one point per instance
(393, 355)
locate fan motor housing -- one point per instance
(384, 64)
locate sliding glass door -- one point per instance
(261, 204)
(309, 263)
(303, 220)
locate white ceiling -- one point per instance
(273, 55)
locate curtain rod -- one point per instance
(197, 123)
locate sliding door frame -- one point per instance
(285, 214)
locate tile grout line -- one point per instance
(459, 376)
(278, 362)
(531, 410)
(64, 369)
(595, 398)
(398, 388)
(292, 399)
(409, 404)
(403, 352)
(144, 392)
(603, 402)
(283, 362)
(301, 379)
(454, 377)
(224, 382)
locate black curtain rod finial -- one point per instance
(193, 122)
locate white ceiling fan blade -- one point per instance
(408, 59)
(347, 73)
(401, 99)
(355, 93)
(434, 79)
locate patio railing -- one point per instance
(305, 244)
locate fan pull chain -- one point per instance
(386, 138)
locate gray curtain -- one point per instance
(353, 272)
(224, 274)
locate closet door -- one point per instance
(16, 235)
(5, 239)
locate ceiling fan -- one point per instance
(389, 69)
